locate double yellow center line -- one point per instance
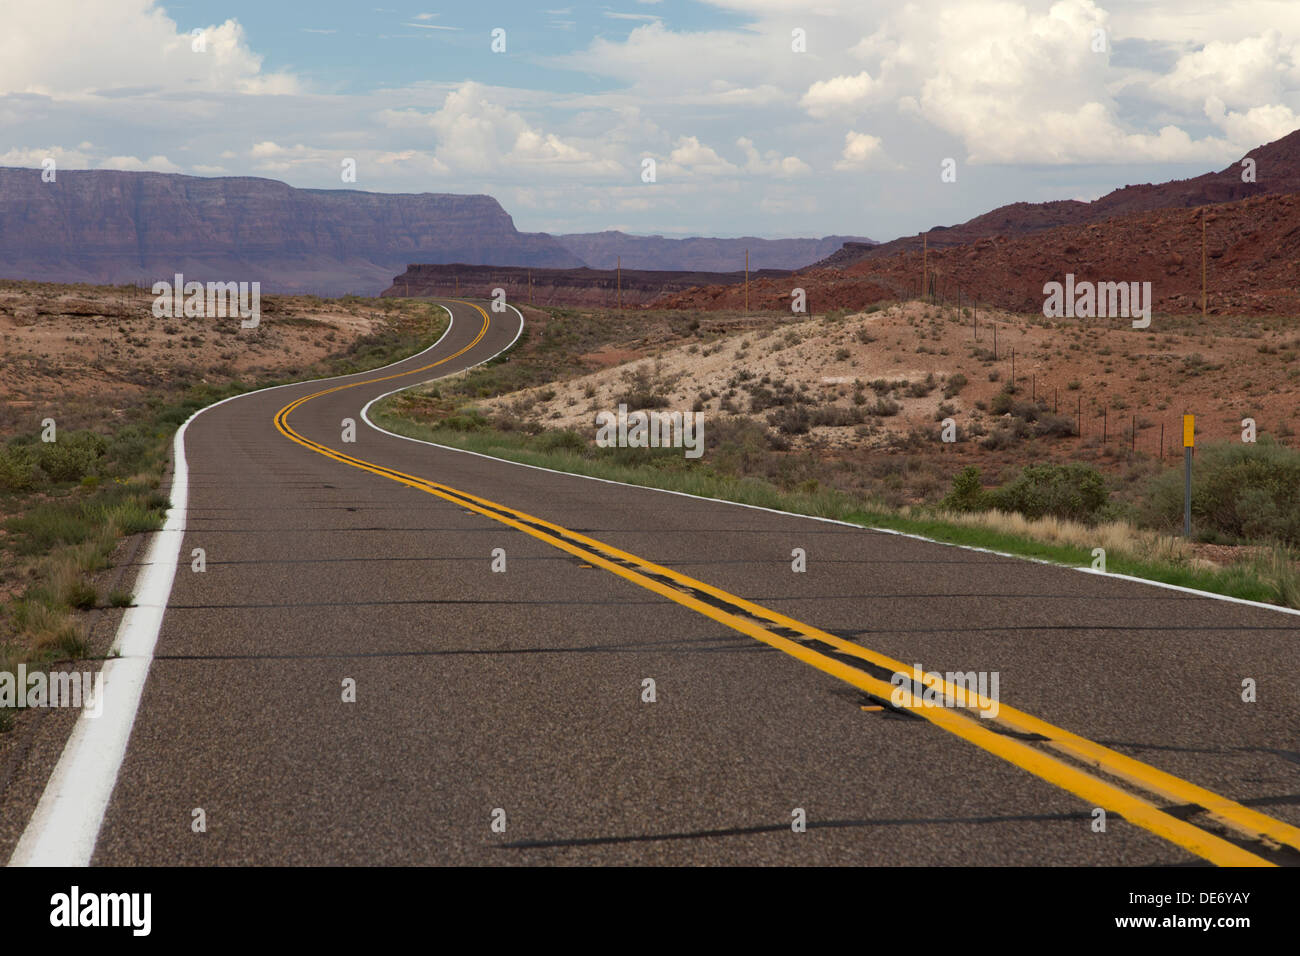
(1233, 834)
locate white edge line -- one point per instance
(365, 416)
(64, 827)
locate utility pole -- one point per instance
(530, 286)
(620, 283)
(746, 281)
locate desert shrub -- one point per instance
(644, 390)
(1240, 492)
(18, 468)
(761, 397)
(1029, 411)
(837, 415)
(921, 389)
(1050, 424)
(967, 493)
(791, 419)
(565, 439)
(954, 385)
(72, 457)
(468, 421)
(128, 452)
(1075, 492)
(999, 439)
(738, 445)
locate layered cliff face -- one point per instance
(591, 287)
(603, 249)
(1276, 171)
(106, 226)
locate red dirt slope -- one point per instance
(1252, 245)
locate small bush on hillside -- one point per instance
(467, 421)
(967, 493)
(73, 456)
(18, 468)
(791, 420)
(1075, 492)
(561, 440)
(644, 390)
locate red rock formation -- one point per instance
(1277, 171)
(1252, 254)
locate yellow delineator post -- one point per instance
(1189, 441)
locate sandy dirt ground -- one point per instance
(65, 346)
(1222, 369)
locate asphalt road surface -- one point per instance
(518, 697)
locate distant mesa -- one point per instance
(114, 227)
(105, 226)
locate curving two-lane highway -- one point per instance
(519, 697)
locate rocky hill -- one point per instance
(1252, 265)
(1277, 171)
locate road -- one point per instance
(517, 696)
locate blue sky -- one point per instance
(752, 130)
(355, 47)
